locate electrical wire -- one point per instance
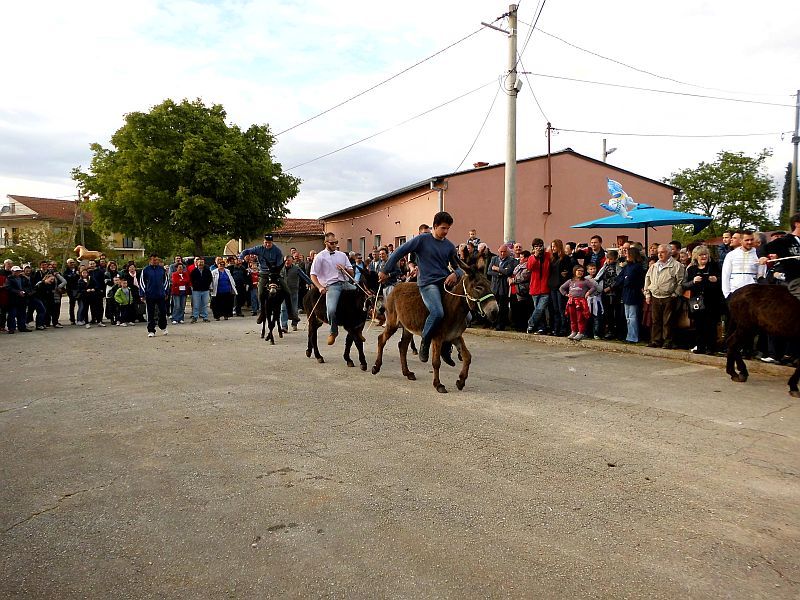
(530, 86)
(387, 80)
(369, 137)
(486, 118)
(640, 70)
(643, 89)
(672, 135)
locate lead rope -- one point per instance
(466, 295)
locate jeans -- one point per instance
(34, 304)
(558, 304)
(200, 304)
(332, 301)
(178, 307)
(539, 305)
(432, 297)
(632, 319)
(286, 311)
(254, 299)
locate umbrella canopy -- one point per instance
(647, 216)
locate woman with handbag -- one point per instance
(705, 300)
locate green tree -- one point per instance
(735, 190)
(783, 219)
(180, 171)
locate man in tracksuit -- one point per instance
(153, 285)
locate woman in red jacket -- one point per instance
(179, 288)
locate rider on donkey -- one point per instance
(788, 247)
(270, 258)
(331, 273)
(434, 256)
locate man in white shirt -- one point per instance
(742, 266)
(329, 272)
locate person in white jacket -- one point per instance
(742, 266)
(223, 292)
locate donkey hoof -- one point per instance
(350, 363)
(794, 393)
(739, 378)
(308, 353)
(375, 370)
(363, 366)
(320, 360)
(411, 376)
(441, 389)
(460, 384)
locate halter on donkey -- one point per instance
(405, 308)
(270, 302)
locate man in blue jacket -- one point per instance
(153, 285)
(270, 258)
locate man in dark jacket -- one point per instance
(788, 248)
(500, 269)
(17, 301)
(97, 278)
(71, 276)
(153, 284)
(201, 285)
(240, 277)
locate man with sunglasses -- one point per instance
(331, 273)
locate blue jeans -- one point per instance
(200, 304)
(285, 311)
(632, 319)
(539, 305)
(432, 297)
(332, 301)
(558, 304)
(254, 299)
(179, 307)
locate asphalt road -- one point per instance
(208, 464)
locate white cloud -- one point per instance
(79, 67)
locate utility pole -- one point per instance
(512, 89)
(795, 141)
(607, 152)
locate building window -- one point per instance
(362, 246)
(349, 244)
(377, 243)
(399, 241)
(15, 235)
(127, 242)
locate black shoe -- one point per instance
(653, 345)
(25, 330)
(194, 320)
(668, 346)
(424, 350)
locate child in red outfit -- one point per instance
(576, 290)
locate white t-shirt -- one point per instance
(324, 267)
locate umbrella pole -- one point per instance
(646, 244)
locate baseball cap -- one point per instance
(15, 268)
(268, 237)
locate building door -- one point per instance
(362, 246)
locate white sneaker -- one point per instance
(88, 326)
(151, 334)
(123, 324)
(101, 324)
(80, 323)
(119, 324)
(572, 335)
(768, 359)
(166, 332)
(174, 322)
(579, 337)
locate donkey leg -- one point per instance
(466, 358)
(312, 333)
(403, 346)
(317, 355)
(436, 363)
(391, 327)
(277, 319)
(362, 359)
(793, 391)
(348, 342)
(747, 342)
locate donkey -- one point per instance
(769, 308)
(351, 314)
(272, 296)
(405, 308)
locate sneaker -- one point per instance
(88, 326)
(572, 335)
(206, 321)
(123, 325)
(119, 324)
(42, 328)
(768, 359)
(151, 334)
(58, 326)
(579, 337)
(174, 322)
(529, 330)
(101, 324)
(424, 351)
(597, 337)
(79, 323)
(165, 331)
(294, 326)
(654, 345)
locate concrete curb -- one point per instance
(753, 366)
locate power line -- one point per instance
(540, 9)
(643, 89)
(672, 135)
(387, 80)
(535, 99)
(369, 137)
(486, 118)
(640, 70)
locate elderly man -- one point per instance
(662, 285)
(501, 267)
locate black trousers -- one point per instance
(96, 304)
(705, 329)
(241, 296)
(222, 306)
(153, 305)
(73, 301)
(502, 319)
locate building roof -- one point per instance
(435, 178)
(300, 227)
(52, 209)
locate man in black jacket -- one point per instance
(71, 276)
(17, 301)
(240, 277)
(788, 248)
(201, 285)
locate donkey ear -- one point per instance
(464, 266)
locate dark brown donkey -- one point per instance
(769, 308)
(405, 308)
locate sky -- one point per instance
(71, 71)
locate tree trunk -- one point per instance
(198, 246)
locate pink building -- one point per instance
(475, 200)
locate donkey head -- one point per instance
(480, 298)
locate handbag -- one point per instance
(696, 304)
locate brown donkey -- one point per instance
(405, 308)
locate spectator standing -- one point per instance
(612, 306)
(153, 284)
(577, 290)
(501, 268)
(594, 254)
(96, 292)
(725, 246)
(239, 273)
(252, 273)
(201, 281)
(179, 289)
(788, 247)
(223, 291)
(17, 302)
(539, 269)
(125, 303)
(520, 299)
(110, 289)
(703, 281)
(662, 286)
(629, 284)
(71, 276)
(560, 271)
(742, 266)
(5, 273)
